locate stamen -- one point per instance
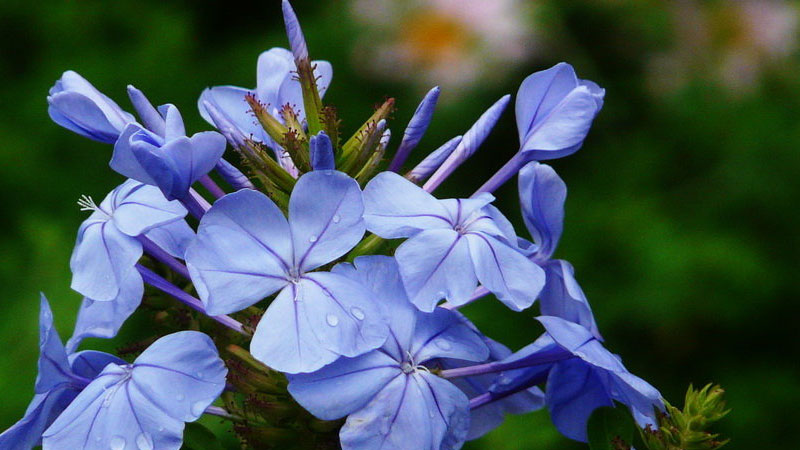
(87, 203)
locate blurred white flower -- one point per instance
(452, 43)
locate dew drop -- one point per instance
(144, 442)
(337, 219)
(98, 438)
(199, 375)
(444, 345)
(199, 407)
(160, 429)
(312, 238)
(332, 320)
(505, 380)
(357, 313)
(117, 443)
(180, 397)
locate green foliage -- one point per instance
(687, 429)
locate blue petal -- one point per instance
(78, 106)
(181, 374)
(113, 414)
(461, 210)
(284, 339)
(146, 404)
(230, 102)
(542, 194)
(274, 67)
(435, 264)
(242, 252)
(513, 278)
(381, 275)
(53, 364)
(150, 117)
(42, 411)
(563, 297)
(343, 314)
(325, 213)
(174, 237)
(574, 390)
(124, 162)
(344, 386)
(89, 363)
(321, 150)
(442, 334)
(104, 319)
(395, 207)
(414, 411)
(480, 130)
(138, 208)
(173, 122)
(398, 418)
(554, 112)
(492, 222)
(102, 259)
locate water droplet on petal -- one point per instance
(98, 438)
(504, 380)
(357, 313)
(144, 441)
(199, 374)
(160, 428)
(444, 345)
(337, 219)
(332, 320)
(199, 407)
(312, 238)
(180, 397)
(117, 443)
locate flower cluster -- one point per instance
(344, 279)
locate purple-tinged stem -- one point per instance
(212, 186)
(220, 412)
(232, 175)
(489, 397)
(152, 249)
(153, 279)
(494, 367)
(480, 292)
(505, 173)
(195, 204)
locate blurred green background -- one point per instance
(682, 221)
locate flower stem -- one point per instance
(195, 204)
(165, 286)
(504, 174)
(494, 367)
(212, 186)
(220, 412)
(489, 397)
(152, 249)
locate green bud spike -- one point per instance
(371, 166)
(353, 145)
(250, 376)
(296, 145)
(274, 129)
(687, 429)
(367, 147)
(368, 246)
(330, 123)
(312, 102)
(257, 155)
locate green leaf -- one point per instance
(198, 437)
(607, 426)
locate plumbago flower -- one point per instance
(391, 398)
(279, 264)
(246, 250)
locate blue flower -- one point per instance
(581, 377)
(276, 86)
(554, 112)
(321, 152)
(79, 107)
(391, 399)
(542, 194)
(452, 245)
(246, 250)
(169, 160)
(107, 247)
(61, 377)
(144, 404)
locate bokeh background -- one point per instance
(682, 215)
